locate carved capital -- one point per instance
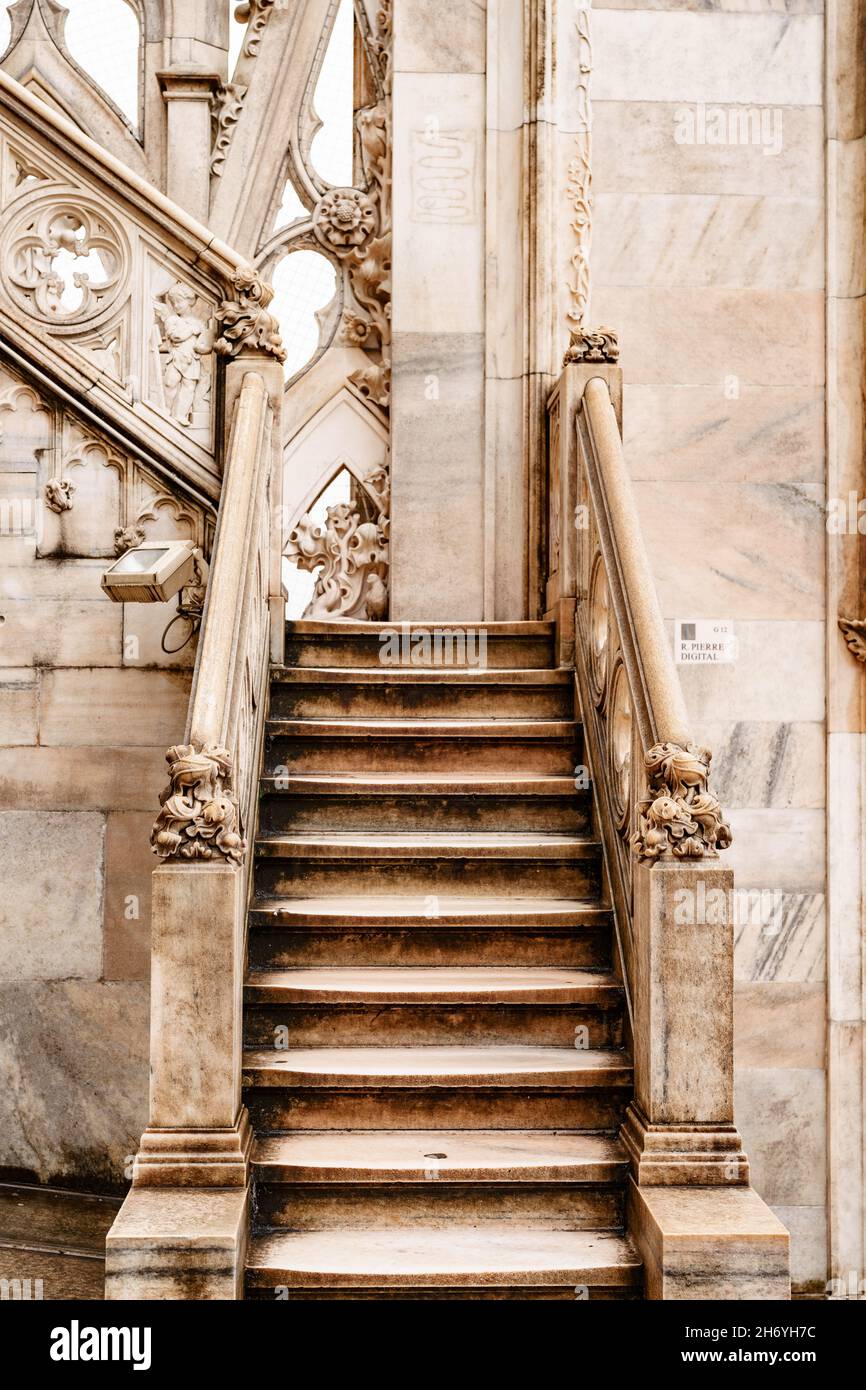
(199, 815)
(58, 494)
(854, 632)
(679, 818)
(592, 345)
(244, 320)
(344, 219)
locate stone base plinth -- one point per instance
(178, 1244)
(195, 1157)
(709, 1243)
(671, 1155)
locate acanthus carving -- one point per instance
(592, 345)
(186, 341)
(199, 811)
(854, 632)
(245, 321)
(679, 817)
(255, 15)
(58, 494)
(228, 104)
(370, 264)
(352, 553)
(579, 185)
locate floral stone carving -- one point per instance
(58, 494)
(245, 322)
(351, 553)
(199, 815)
(854, 632)
(127, 538)
(344, 219)
(592, 345)
(679, 817)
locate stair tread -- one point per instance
(485, 726)
(422, 782)
(409, 1155)
(351, 627)
(455, 908)
(426, 844)
(440, 1065)
(439, 1256)
(421, 675)
(408, 984)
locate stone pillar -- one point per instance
(438, 354)
(181, 1232)
(188, 94)
(701, 1230)
(680, 1127)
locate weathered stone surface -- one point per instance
(73, 1063)
(51, 910)
(129, 865)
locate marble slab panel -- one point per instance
(656, 55)
(51, 907)
(59, 1120)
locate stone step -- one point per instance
(459, 1257)
(344, 693)
(327, 1180)
(422, 931)
(461, 747)
(434, 802)
(406, 1007)
(421, 1156)
(438, 646)
(428, 864)
(467, 985)
(516, 1087)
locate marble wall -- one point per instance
(708, 258)
(88, 706)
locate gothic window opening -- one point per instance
(305, 287)
(104, 39)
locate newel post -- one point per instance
(182, 1231)
(701, 1229)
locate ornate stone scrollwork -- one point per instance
(255, 14)
(854, 632)
(679, 817)
(245, 322)
(58, 494)
(227, 106)
(579, 185)
(370, 264)
(199, 813)
(352, 553)
(592, 345)
(344, 219)
(64, 260)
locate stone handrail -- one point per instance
(660, 825)
(199, 1134)
(202, 817)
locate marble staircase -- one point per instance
(433, 1025)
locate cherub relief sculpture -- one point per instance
(186, 340)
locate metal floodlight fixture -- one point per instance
(153, 572)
